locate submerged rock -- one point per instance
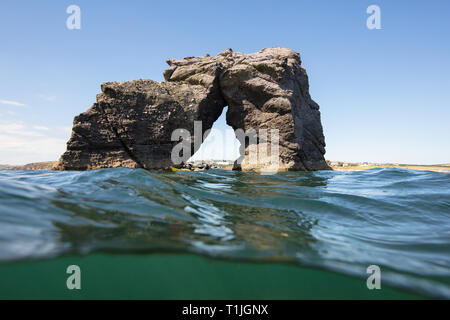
(131, 123)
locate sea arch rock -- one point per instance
(131, 123)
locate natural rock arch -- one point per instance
(131, 123)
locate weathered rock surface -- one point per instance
(131, 123)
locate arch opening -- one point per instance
(220, 147)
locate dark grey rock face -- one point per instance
(131, 123)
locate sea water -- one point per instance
(225, 234)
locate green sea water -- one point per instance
(180, 276)
(225, 235)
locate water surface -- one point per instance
(337, 221)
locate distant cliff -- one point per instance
(47, 165)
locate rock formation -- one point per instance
(131, 123)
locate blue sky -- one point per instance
(384, 94)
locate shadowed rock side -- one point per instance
(131, 123)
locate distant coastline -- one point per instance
(228, 164)
(45, 165)
(357, 166)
